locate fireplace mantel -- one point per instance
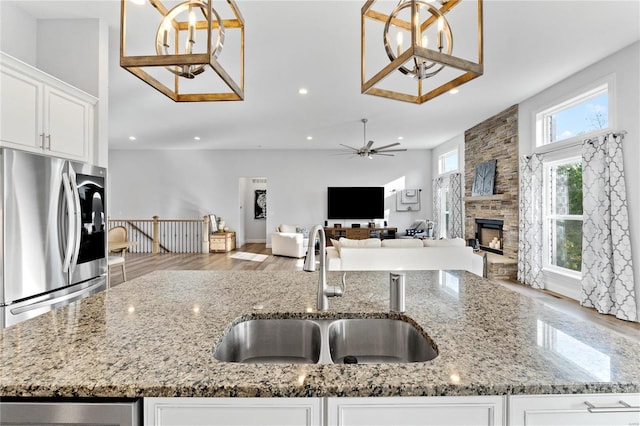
(494, 197)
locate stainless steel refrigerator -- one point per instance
(53, 233)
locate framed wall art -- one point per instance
(260, 205)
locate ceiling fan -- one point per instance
(367, 150)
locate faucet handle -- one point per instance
(337, 291)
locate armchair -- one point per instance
(290, 241)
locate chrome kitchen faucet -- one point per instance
(324, 291)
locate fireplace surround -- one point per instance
(489, 235)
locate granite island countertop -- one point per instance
(154, 336)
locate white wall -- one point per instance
(17, 33)
(190, 184)
(625, 65)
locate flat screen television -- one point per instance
(364, 202)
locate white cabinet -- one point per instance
(555, 410)
(232, 411)
(40, 113)
(417, 411)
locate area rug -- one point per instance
(254, 257)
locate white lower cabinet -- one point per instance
(233, 411)
(523, 410)
(417, 411)
(556, 410)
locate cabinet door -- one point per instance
(417, 411)
(20, 110)
(232, 411)
(67, 122)
(554, 410)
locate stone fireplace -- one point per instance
(494, 139)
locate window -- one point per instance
(446, 211)
(563, 216)
(448, 162)
(577, 116)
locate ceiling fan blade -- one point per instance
(386, 155)
(368, 147)
(350, 147)
(387, 146)
(391, 150)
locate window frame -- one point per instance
(548, 217)
(442, 161)
(574, 97)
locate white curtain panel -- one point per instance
(607, 267)
(455, 196)
(437, 206)
(530, 222)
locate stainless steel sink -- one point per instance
(325, 341)
(375, 341)
(291, 341)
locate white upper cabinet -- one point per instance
(40, 113)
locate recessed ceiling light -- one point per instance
(303, 91)
(453, 91)
(400, 138)
(132, 138)
(309, 138)
(138, 2)
(196, 138)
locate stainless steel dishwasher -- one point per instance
(94, 412)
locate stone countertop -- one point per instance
(153, 336)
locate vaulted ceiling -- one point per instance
(528, 46)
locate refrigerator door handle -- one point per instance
(76, 295)
(78, 222)
(71, 230)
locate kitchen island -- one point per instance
(153, 337)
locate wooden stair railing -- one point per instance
(167, 235)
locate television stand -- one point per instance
(359, 233)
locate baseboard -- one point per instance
(255, 241)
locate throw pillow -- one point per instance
(444, 242)
(409, 242)
(368, 243)
(336, 244)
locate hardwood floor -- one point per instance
(138, 264)
(141, 264)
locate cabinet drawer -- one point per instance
(416, 411)
(232, 411)
(542, 410)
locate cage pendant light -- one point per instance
(416, 60)
(178, 51)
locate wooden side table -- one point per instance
(222, 242)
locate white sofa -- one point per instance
(286, 241)
(403, 254)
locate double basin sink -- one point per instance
(325, 341)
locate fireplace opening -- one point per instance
(489, 235)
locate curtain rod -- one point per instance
(590, 140)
